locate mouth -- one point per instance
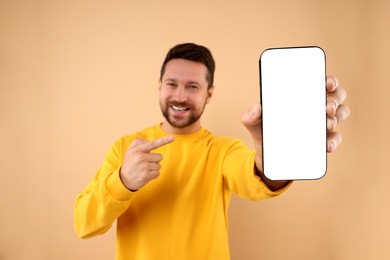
(180, 109)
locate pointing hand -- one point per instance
(140, 165)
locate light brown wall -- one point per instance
(76, 75)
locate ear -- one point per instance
(210, 92)
(159, 85)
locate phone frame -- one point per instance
(318, 176)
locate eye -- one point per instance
(171, 84)
(194, 87)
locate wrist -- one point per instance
(272, 185)
(121, 177)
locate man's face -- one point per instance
(184, 93)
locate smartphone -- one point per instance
(293, 99)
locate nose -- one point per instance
(180, 94)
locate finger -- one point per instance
(154, 157)
(342, 113)
(333, 141)
(332, 83)
(333, 100)
(331, 123)
(154, 167)
(252, 116)
(153, 174)
(251, 119)
(151, 145)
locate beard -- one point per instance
(189, 117)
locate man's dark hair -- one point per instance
(192, 52)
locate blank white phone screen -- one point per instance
(293, 98)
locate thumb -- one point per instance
(252, 116)
(251, 119)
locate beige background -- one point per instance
(76, 75)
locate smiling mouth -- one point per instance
(175, 108)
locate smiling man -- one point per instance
(169, 185)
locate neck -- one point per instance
(167, 127)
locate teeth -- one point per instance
(179, 108)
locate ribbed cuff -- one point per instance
(116, 187)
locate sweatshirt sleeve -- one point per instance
(240, 175)
(104, 199)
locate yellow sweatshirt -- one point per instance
(183, 213)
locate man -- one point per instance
(169, 186)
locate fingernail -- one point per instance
(332, 80)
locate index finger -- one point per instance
(154, 144)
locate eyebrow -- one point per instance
(175, 80)
(170, 79)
